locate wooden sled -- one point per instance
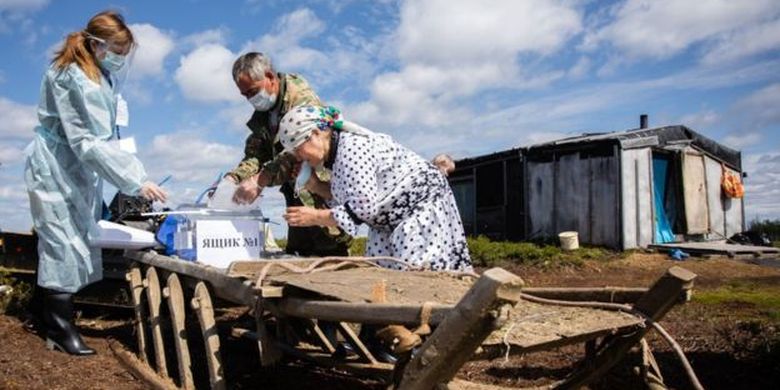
(312, 308)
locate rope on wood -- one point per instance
(630, 310)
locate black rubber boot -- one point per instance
(61, 333)
(36, 322)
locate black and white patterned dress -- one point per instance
(404, 199)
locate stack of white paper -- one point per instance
(115, 236)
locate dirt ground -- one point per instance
(730, 345)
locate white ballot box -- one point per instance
(221, 242)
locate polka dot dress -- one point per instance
(406, 202)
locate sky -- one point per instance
(461, 77)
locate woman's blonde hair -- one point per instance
(107, 25)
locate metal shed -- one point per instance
(623, 190)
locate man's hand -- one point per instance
(247, 191)
(308, 216)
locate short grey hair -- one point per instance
(253, 64)
(444, 162)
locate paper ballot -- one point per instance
(223, 198)
(122, 114)
(114, 235)
(125, 144)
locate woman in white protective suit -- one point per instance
(69, 157)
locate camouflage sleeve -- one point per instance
(299, 93)
(279, 169)
(254, 155)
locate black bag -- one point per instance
(129, 208)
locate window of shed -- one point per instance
(490, 185)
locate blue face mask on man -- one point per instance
(262, 101)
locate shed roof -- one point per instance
(660, 136)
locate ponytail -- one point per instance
(107, 25)
(75, 49)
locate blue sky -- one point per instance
(451, 76)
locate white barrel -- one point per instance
(569, 240)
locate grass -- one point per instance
(17, 299)
(487, 253)
(764, 298)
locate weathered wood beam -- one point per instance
(364, 313)
(224, 286)
(462, 332)
(175, 296)
(137, 291)
(201, 303)
(153, 296)
(598, 294)
(673, 287)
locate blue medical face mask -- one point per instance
(262, 101)
(113, 62)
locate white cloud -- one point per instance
(10, 154)
(739, 141)
(761, 107)
(700, 120)
(662, 28)
(762, 186)
(464, 31)
(153, 47)
(346, 55)
(18, 120)
(468, 47)
(753, 39)
(212, 36)
(580, 68)
(174, 151)
(204, 75)
(13, 15)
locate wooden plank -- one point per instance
(716, 202)
(137, 291)
(269, 354)
(225, 287)
(695, 193)
(201, 302)
(540, 199)
(139, 369)
(354, 340)
(354, 285)
(670, 289)
(598, 294)
(175, 296)
(364, 313)
(154, 298)
(461, 333)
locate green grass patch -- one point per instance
(487, 253)
(764, 298)
(16, 300)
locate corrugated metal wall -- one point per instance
(575, 191)
(637, 198)
(725, 214)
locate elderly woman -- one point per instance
(403, 198)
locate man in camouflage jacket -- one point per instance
(273, 94)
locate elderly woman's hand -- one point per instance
(308, 216)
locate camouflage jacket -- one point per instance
(262, 149)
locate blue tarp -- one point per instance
(663, 229)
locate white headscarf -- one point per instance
(297, 124)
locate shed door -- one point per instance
(695, 191)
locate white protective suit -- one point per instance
(67, 160)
